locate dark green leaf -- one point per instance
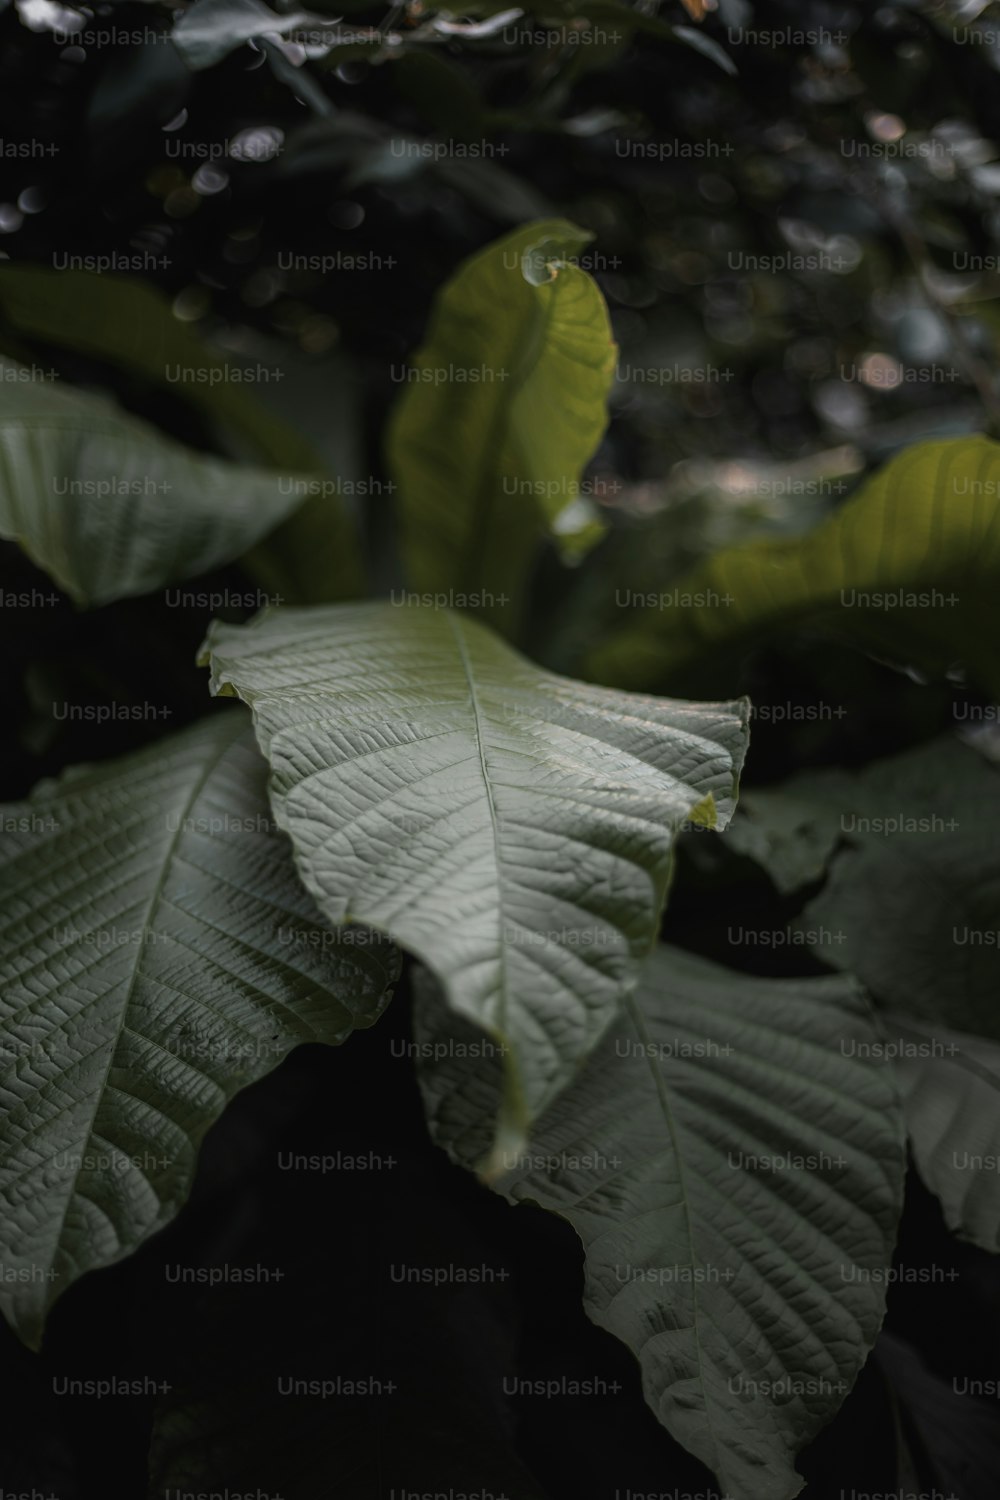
(158, 955)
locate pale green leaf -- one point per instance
(908, 569)
(504, 405)
(511, 828)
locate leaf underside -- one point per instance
(511, 828)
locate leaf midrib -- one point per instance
(466, 662)
(639, 1022)
(538, 322)
(199, 785)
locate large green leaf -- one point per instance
(111, 508)
(314, 555)
(506, 404)
(734, 1168)
(950, 1083)
(158, 955)
(910, 849)
(908, 569)
(512, 828)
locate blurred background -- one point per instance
(796, 219)
(794, 207)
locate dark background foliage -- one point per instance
(788, 160)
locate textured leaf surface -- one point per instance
(158, 954)
(913, 839)
(508, 403)
(109, 507)
(908, 569)
(950, 1083)
(511, 828)
(750, 1293)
